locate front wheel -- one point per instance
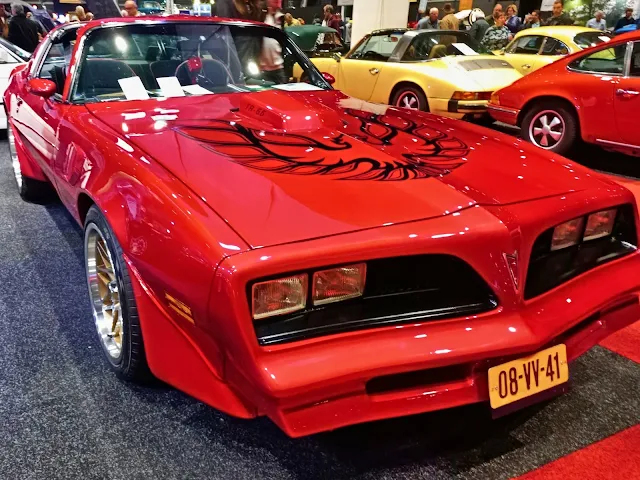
(30, 190)
(550, 126)
(410, 97)
(113, 303)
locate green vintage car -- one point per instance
(316, 40)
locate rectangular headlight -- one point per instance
(567, 234)
(339, 283)
(279, 296)
(600, 224)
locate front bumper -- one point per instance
(335, 389)
(504, 114)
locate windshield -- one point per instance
(431, 45)
(155, 5)
(141, 61)
(17, 51)
(590, 39)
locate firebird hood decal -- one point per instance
(282, 167)
(434, 152)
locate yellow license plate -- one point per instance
(527, 376)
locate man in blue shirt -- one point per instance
(599, 23)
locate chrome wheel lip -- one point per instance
(547, 126)
(407, 100)
(13, 154)
(105, 306)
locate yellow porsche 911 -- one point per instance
(433, 70)
(534, 48)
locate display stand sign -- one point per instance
(423, 6)
(547, 5)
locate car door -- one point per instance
(594, 78)
(36, 118)
(359, 72)
(522, 52)
(627, 97)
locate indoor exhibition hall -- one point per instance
(320, 239)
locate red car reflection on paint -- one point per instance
(592, 95)
(280, 249)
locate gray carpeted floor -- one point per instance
(64, 415)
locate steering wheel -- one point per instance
(195, 69)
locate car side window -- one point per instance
(377, 47)
(607, 61)
(528, 45)
(55, 65)
(553, 46)
(634, 69)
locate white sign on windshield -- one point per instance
(297, 87)
(196, 90)
(133, 88)
(170, 87)
(603, 38)
(465, 49)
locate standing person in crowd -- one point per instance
(626, 20)
(80, 14)
(41, 31)
(271, 61)
(4, 22)
(242, 9)
(430, 22)
(289, 21)
(22, 31)
(496, 10)
(514, 24)
(449, 21)
(598, 22)
(131, 8)
(330, 20)
(479, 27)
(317, 20)
(532, 20)
(558, 17)
(498, 36)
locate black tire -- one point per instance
(132, 363)
(30, 189)
(405, 95)
(560, 118)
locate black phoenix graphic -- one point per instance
(404, 150)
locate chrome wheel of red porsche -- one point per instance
(103, 290)
(546, 129)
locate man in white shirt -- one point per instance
(599, 23)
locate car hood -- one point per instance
(282, 167)
(473, 73)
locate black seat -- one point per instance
(99, 76)
(164, 68)
(58, 76)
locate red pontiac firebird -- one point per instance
(592, 95)
(277, 248)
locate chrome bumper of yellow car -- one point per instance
(467, 106)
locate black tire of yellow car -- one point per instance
(570, 133)
(402, 92)
(132, 365)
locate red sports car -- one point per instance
(277, 248)
(593, 95)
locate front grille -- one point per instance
(398, 290)
(549, 269)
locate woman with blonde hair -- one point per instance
(514, 23)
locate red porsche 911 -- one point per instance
(592, 95)
(278, 248)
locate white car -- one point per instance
(10, 57)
